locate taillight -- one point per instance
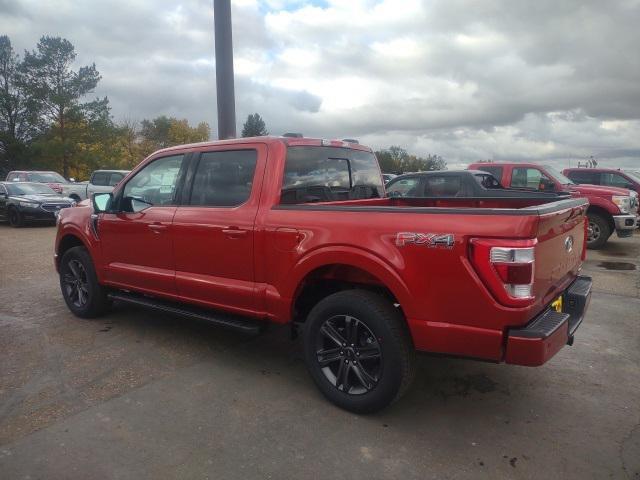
(506, 267)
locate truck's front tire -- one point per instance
(358, 350)
(82, 293)
(598, 231)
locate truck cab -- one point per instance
(611, 209)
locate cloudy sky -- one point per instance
(548, 80)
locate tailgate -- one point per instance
(559, 251)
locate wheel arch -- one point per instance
(604, 213)
(67, 242)
(335, 269)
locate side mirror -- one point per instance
(101, 202)
(72, 180)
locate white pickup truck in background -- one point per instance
(101, 181)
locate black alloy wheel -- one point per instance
(76, 284)
(358, 350)
(349, 355)
(82, 293)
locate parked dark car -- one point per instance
(458, 184)
(52, 179)
(22, 202)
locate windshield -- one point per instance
(29, 189)
(324, 174)
(47, 177)
(559, 177)
(635, 176)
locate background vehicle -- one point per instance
(22, 202)
(100, 181)
(387, 177)
(471, 184)
(52, 179)
(217, 232)
(605, 176)
(611, 209)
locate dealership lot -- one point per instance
(141, 395)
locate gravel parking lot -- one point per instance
(141, 395)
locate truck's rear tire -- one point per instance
(82, 293)
(598, 231)
(358, 350)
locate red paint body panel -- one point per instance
(255, 259)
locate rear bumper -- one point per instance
(625, 224)
(538, 341)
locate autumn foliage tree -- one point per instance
(397, 160)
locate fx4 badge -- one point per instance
(430, 240)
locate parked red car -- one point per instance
(53, 179)
(296, 230)
(611, 209)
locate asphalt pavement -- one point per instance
(138, 395)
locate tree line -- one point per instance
(48, 122)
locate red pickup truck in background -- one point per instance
(297, 230)
(610, 210)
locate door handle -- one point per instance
(157, 227)
(234, 232)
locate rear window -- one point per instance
(324, 174)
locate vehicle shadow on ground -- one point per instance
(439, 380)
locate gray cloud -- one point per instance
(503, 79)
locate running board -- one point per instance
(226, 320)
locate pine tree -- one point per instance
(254, 127)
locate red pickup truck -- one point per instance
(610, 210)
(297, 230)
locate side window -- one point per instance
(23, 177)
(115, 179)
(528, 178)
(584, 176)
(495, 171)
(443, 186)
(155, 184)
(224, 179)
(407, 187)
(614, 180)
(100, 179)
(12, 177)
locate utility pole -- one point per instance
(224, 69)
